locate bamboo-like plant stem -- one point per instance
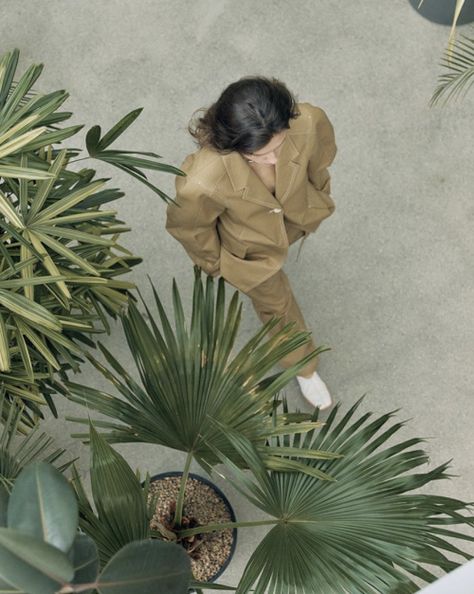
(224, 526)
(182, 488)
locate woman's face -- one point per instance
(268, 155)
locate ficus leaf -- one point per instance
(43, 505)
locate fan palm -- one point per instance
(191, 379)
(123, 508)
(362, 533)
(59, 251)
(15, 456)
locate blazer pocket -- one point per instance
(235, 247)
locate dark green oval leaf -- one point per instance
(85, 560)
(147, 567)
(43, 505)
(31, 565)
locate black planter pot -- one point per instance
(442, 11)
(226, 503)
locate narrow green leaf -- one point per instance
(21, 141)
(38, 344)
(24, 123)
(48, 262)
(7, 210)
(118, 129)
(66, 252)
(31, 311)
(8, 65)
(12, 171)
(51, 138)
(4, 346)
(44, 187)
(67, 202)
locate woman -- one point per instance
(258, 183)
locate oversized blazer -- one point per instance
(230, 223)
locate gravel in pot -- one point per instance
(204, 504)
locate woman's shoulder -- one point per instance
(205, 166)
(311, 116)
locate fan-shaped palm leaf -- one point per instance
(14, 456)
(120, 501)
(362, 533)
(458, 77)
(190, 377)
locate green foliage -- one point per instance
(125, 160)
(120, 513)
(43, 505)
(191, 378)
(60, 254)
(458, 75)
(41, 551)
(15, 454)
(362, 532)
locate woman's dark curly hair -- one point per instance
(246, 116)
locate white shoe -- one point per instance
(315, 391)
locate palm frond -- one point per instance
(190, 378)
(362, 532)
(16, 454)
(458, 76)
(122, 514)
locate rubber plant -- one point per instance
(60, 254)
(43, 552)
(337, 494)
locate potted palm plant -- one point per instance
(338, 497)
(60, 251)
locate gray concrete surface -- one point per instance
(387, 281)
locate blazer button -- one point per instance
(276, 210)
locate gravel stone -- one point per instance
(204, 504)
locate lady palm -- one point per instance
(59, 250)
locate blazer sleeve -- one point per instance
(193, 222)
(323, 153)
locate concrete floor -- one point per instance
(387, 281)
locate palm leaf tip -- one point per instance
(458, 75)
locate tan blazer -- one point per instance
(230, 223)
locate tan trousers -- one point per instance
(274, 297)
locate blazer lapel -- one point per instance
(253, 189)
(286, 168)
(244, 179)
